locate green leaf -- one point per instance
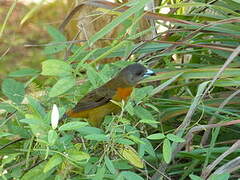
(110, 165)
(131, 175)
(24, 72)
(52, 49)
(223, 176)
(100, 173)
(94, 77)
(7, 107)
(5, 134)
(146, 147)
(57, 44)
(78, 156)
(9, 158)
(148, 121)
(167, 151)
(140, 93)
(72, 126)
(52, 162)
(52, 137)
(36, 173)
(36, 107)
(175, 138)
(156, 136)
(89, 130)
(130, 154)
(63, 85)
(13, 89)
(142, 113)
(55, 34)
(32, 121)
(97, 137)
(194, 177)
(125, 141)
(55, 67)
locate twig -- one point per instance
(206, 172)
(10, 143)
(213, 118)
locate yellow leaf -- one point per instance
(128, 153)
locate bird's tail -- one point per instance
(63, 117)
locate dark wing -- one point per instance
(95, 98)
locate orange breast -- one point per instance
(122, 94)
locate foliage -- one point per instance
(164, 114)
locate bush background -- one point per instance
(161, 131)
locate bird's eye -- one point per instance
(139, 73)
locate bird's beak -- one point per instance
(148, 73)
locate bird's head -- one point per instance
(134, 73)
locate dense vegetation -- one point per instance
(182, 123)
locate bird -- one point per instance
(99, 102)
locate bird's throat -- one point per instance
(122, 94)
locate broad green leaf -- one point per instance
(96, 78)
(32, 121)
(24, 72)
(55, 34)
(78, 156)
(36, 173)
(136, 139)
(140, 93)
(109, 165)
(194, 177)
(54, 67)
(38, 126)
(128, 153)
(9, 158)
(97, 137)
(100, 173)
(167, 151)
(62, 86)
(52, 137)
(121, 164)
(223, 176)
(7, 107)
(13, 89)
(156, 136)
(125, 141)
(143, 113)
(57, 44)
(52, 49)
(89, 130)
(131, 175)
(36, 107)
(175, 138)
(146, 147)
(52, 162)
(5, 134)
(72, 126)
